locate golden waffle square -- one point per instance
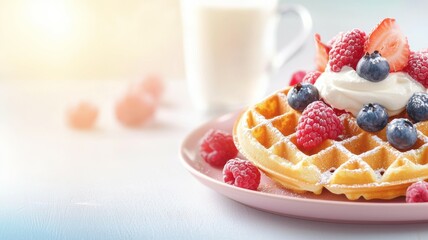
(358, 164)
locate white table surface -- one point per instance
(117, 183)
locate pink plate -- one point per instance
(272, 198)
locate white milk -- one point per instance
(228, 45)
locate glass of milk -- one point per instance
(230, 49)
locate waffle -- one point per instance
(358, 164)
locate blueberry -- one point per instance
(401, 133)
(372, 117)
(417, 107)
(302, 95)
(373, 67)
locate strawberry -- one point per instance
(391, 44)
(321, 57)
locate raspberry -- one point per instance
(335, 39)
(417, 192)
(311, 77)
(347, 50)
(417, 67)
(217, 148)
(241, 173)
(297, 77)
(317, 123)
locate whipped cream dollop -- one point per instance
(346, 90)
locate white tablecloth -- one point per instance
(117, 183)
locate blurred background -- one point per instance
(94, 39)
(83, 39)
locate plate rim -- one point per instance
(185, 161)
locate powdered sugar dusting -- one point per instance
(379, 173)
(325, 176)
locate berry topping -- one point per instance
(388, 39)
(317, 123)
(347, 50)
(417, 107)
(217, 147)
(241, 173)
(339, 112)
(418, 67)
(372, 117)
(335, 39)
(373, 67)
(321, 56)
(297, 77)
(302, 95)
(311, 77)
(401, 133)
(417, 192)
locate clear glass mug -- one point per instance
(230, 49)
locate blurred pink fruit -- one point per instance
(82, 115)
(151, 84)
(133, 110)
